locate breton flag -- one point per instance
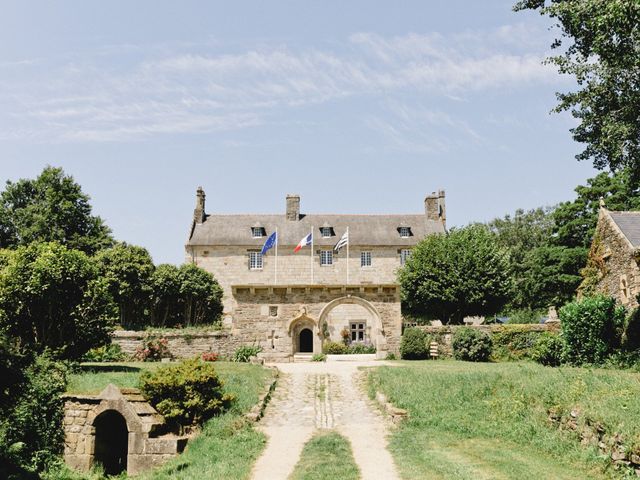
(304, 242)
(344, 241)
(270, 243)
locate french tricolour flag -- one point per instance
(304, 242)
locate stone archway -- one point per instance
(303, 331)
(341, 313)
(111, 442)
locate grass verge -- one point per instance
(326, 455)
(470, 421)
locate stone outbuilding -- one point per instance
(612, 268)
(119, 429)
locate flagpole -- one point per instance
(312, 254)
(348, 242)
(275, 280)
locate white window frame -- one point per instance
(326, 232)
(326, 258)
(358, 331)
(405, 232)
(366, 259)
(405, 253)
(256, 232)
(255, 260)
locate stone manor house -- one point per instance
(292, 302)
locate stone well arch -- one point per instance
(375, 329)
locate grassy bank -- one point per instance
(326, 455)
(227, 446)
(470, 421)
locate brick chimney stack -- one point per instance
(293, 207)
(434, 207)
(199, 213)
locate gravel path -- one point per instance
(311, 396)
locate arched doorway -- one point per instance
(355, 318)
(112, 442)
(306, 341)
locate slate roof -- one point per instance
(365, 230)
(629, 224)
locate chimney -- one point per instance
(443, 208)
(431, 207)
(293, 207)
(199, 214)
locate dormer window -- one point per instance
(257, 232)
(405, 232)
(326, 232)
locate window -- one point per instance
(405, 253)
(326, 232)
(273, 311)
(405, 232)
(257, 232)
(326, 257)
(357, 331)
(365, 259)
(255, 260)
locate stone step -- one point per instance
(302, 357)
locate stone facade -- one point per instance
(275, 301)
(118, 429)
(614, 256)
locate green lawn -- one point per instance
(228, 445)
(326, 456)
(476, 421)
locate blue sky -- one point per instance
(359, 106)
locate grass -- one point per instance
(228, 445)
(474, 421)
(326, 455)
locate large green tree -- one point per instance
(600, 45)
(457, 274)
(51, 298)
(51, 207)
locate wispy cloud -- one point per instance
(158, 91)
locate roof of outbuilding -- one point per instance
(373, 230)
(629, 224)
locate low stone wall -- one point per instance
(444, 334)
(180, 344)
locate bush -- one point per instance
(631, 337)
(244, 353)
(210, 357)
(360, 348)
(106, 353)
(548, 349)
(525, 315)
(154, 350)
(390, 356)
(335, 348)
(413, 345)
(591, 329)
(186, 394)
(319, 357)
(513, 342)
(471, 344)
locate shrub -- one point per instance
(631, 337)
(243, 354)
(390, 356)
(548, 349)
(591, 329)
(513, 342)
(335, 348)
(413, 345)
(210, 357)
(361, 348)
(154, 350)
(186, 394)
(525, 315)
(471, 344)
(319, 357)
(106, 353)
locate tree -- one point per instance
(601, 41)
(127, 271)
(575, 221)
(455, 275)
(200, 295)
(165, 283)
(50, 208)
(52, 298)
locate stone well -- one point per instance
(117, 428)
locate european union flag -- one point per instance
(271, 241)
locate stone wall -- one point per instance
(444, 334)
(181, 344)
(613, 255)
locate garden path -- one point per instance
(331, 395)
